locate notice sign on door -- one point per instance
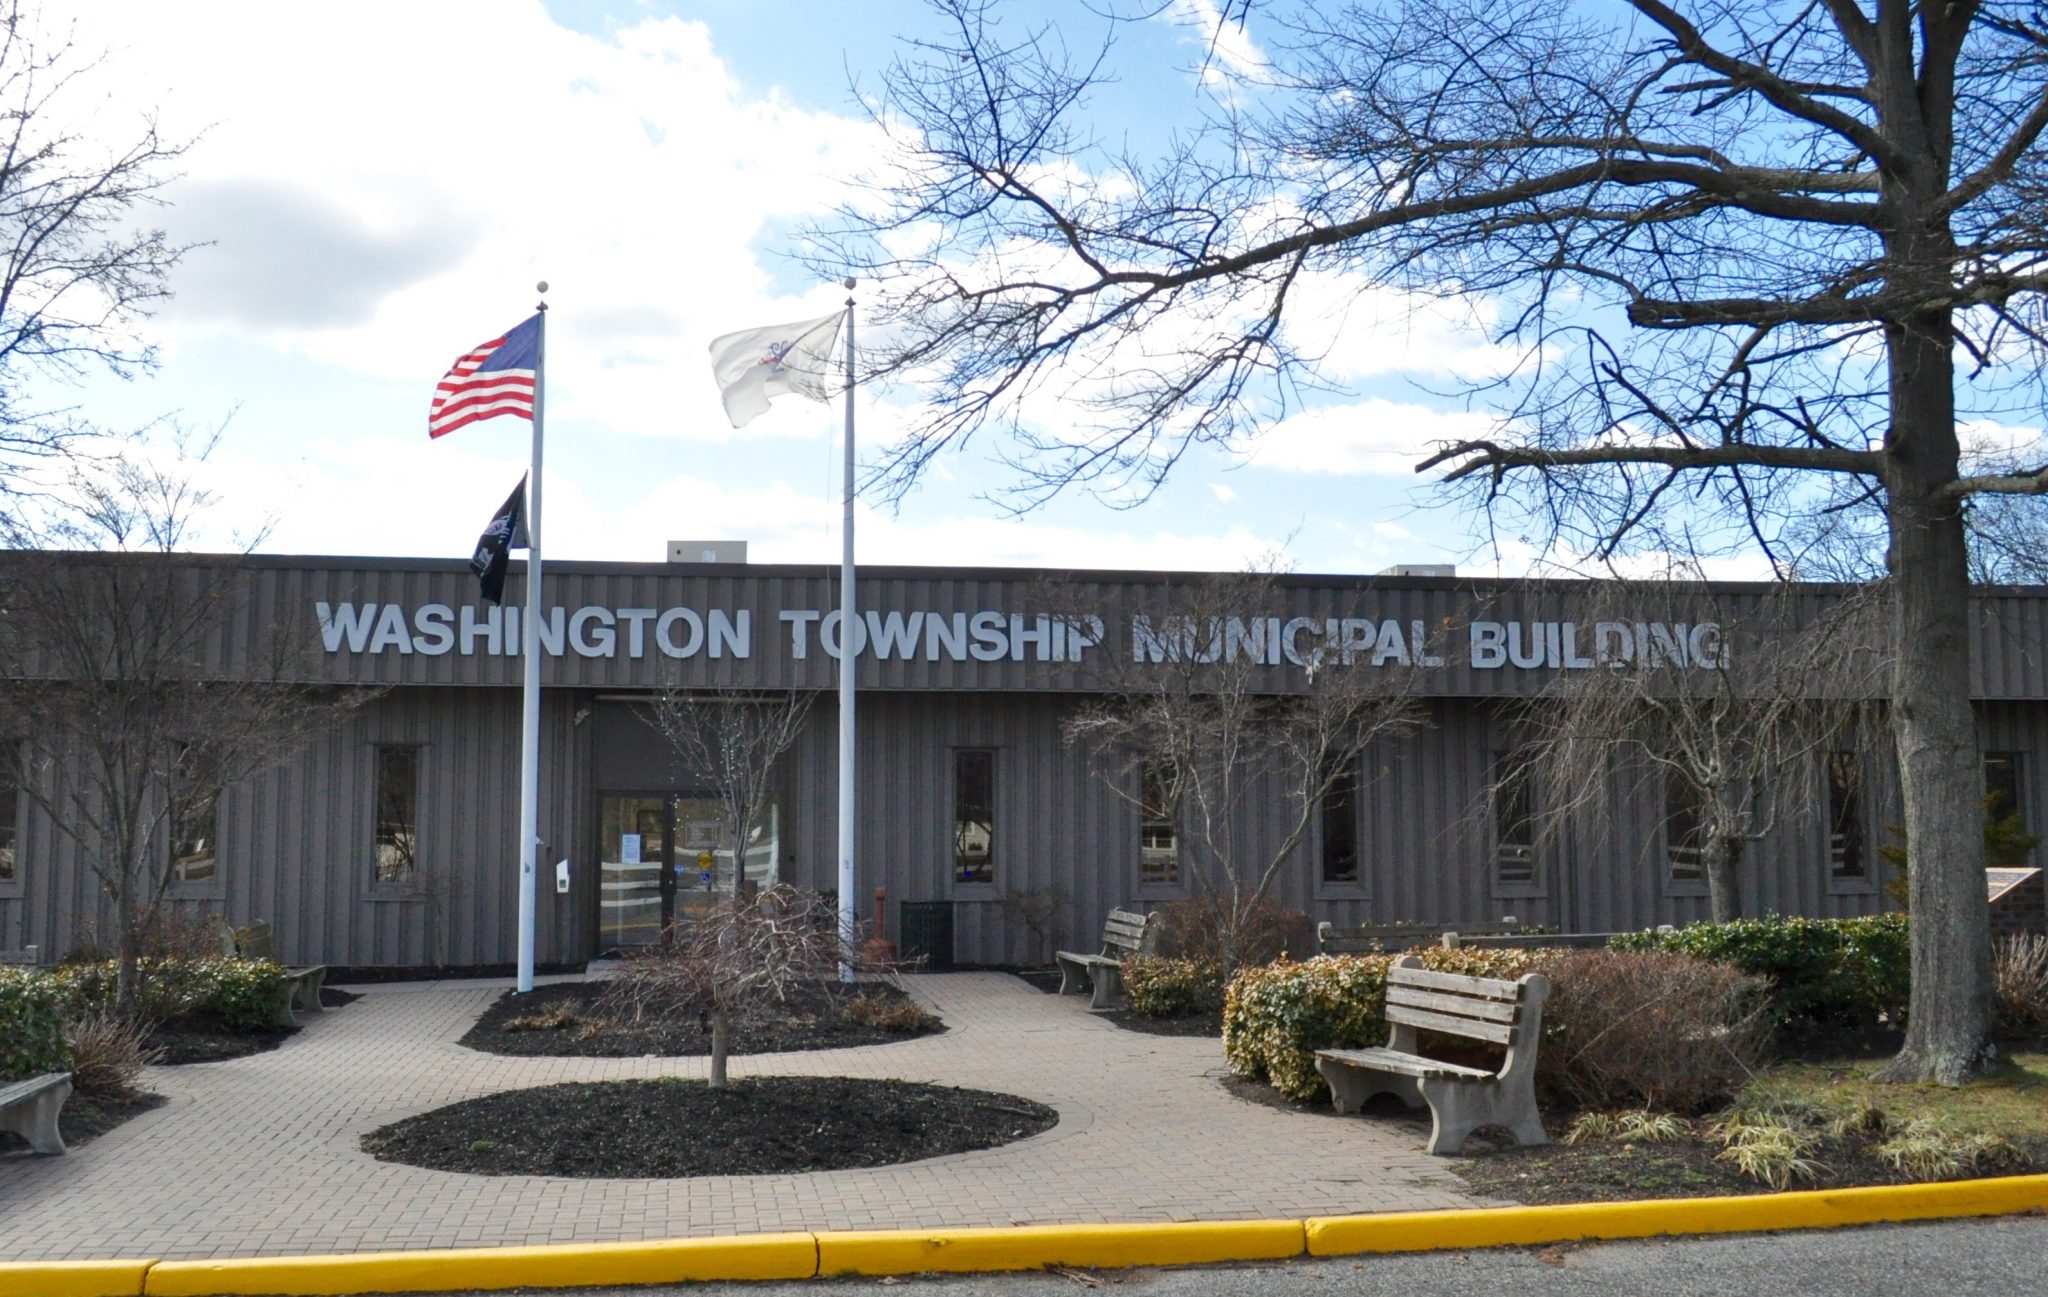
(629, 848)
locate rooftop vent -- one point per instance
(1422, 569)
(707, 551)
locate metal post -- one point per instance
(529, 729)
(848, 629)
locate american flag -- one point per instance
(493, 378)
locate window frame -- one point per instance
(1672, 882)
(1152, 814)
(1503, 781)
(1350, 784)
(1864, 883)
(972, 887)
(377, 884)
(15, 799)
(212, 885)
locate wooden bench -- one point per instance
(1333, 940)
(1461, 1099)
(1123, 935)
(302, 992)
(29, 1109)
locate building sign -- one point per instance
(991, 635)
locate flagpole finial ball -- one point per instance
(541, 287)
(847, 282)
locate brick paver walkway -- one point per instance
(259, 1156)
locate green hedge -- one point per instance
(238, 993)
(1823, 972)
(1275, 1018)
(1173, 988)
(33, 1008)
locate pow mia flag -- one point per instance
(506, 533)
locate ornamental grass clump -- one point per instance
(1773, 1147)
(2019, 984)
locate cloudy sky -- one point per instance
(378, 187)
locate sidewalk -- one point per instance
(260, 1156)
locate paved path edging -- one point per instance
(880, 1252)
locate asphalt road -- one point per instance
(2006, 1257)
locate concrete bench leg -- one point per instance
(36, 1120)
(1457, 1108)
(1109, 987)
(306, 992)
(1351, 1086)
(1073, 977)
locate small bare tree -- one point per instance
(1211, 731)
(1725, 738)
(743, 958)
(733, 740)
(127, 722)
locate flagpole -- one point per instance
(848, 629)
(529, 720)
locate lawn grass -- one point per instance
(2011, 1102)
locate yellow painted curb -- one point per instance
(1031, 1247)
(72, 1278)
(756, 1256)
(1428, 1231)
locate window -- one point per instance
(1158, 834)
(1847, 855)
(195, 814)
(1683, 838)
(398, 807)
(1340, 827)
(2002, 798)
(974, 816)
(10, 815)
(1514, 819)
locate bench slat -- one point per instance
(1497, 1032)
(16, 1091)
(1387, 1060)
(1487, 987)
(1470, 1006)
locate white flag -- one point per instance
(754, 364)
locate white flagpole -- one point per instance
(848, 632)
(529, 720)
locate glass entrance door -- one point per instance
(635, 884)
(661, 857)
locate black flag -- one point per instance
(506, 533)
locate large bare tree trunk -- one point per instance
(1932, 723)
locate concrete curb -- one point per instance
(882, 1252)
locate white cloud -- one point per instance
(1222, 492)
(1393, 531)
(1370, 436)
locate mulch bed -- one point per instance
(204, 1040)
(349, 974)
(1613, 1171)
(88, 1116)
(1199, 1024)
(669, 1128)
(818, 1024)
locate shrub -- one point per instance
(2019, 978)
(1648, 1030)
(33, 1007)
(1276, 1017)
(238, 993)
(1173, 988)
(1193, 929)
(107, 1054)
(889, 1013)
(1826, 972)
